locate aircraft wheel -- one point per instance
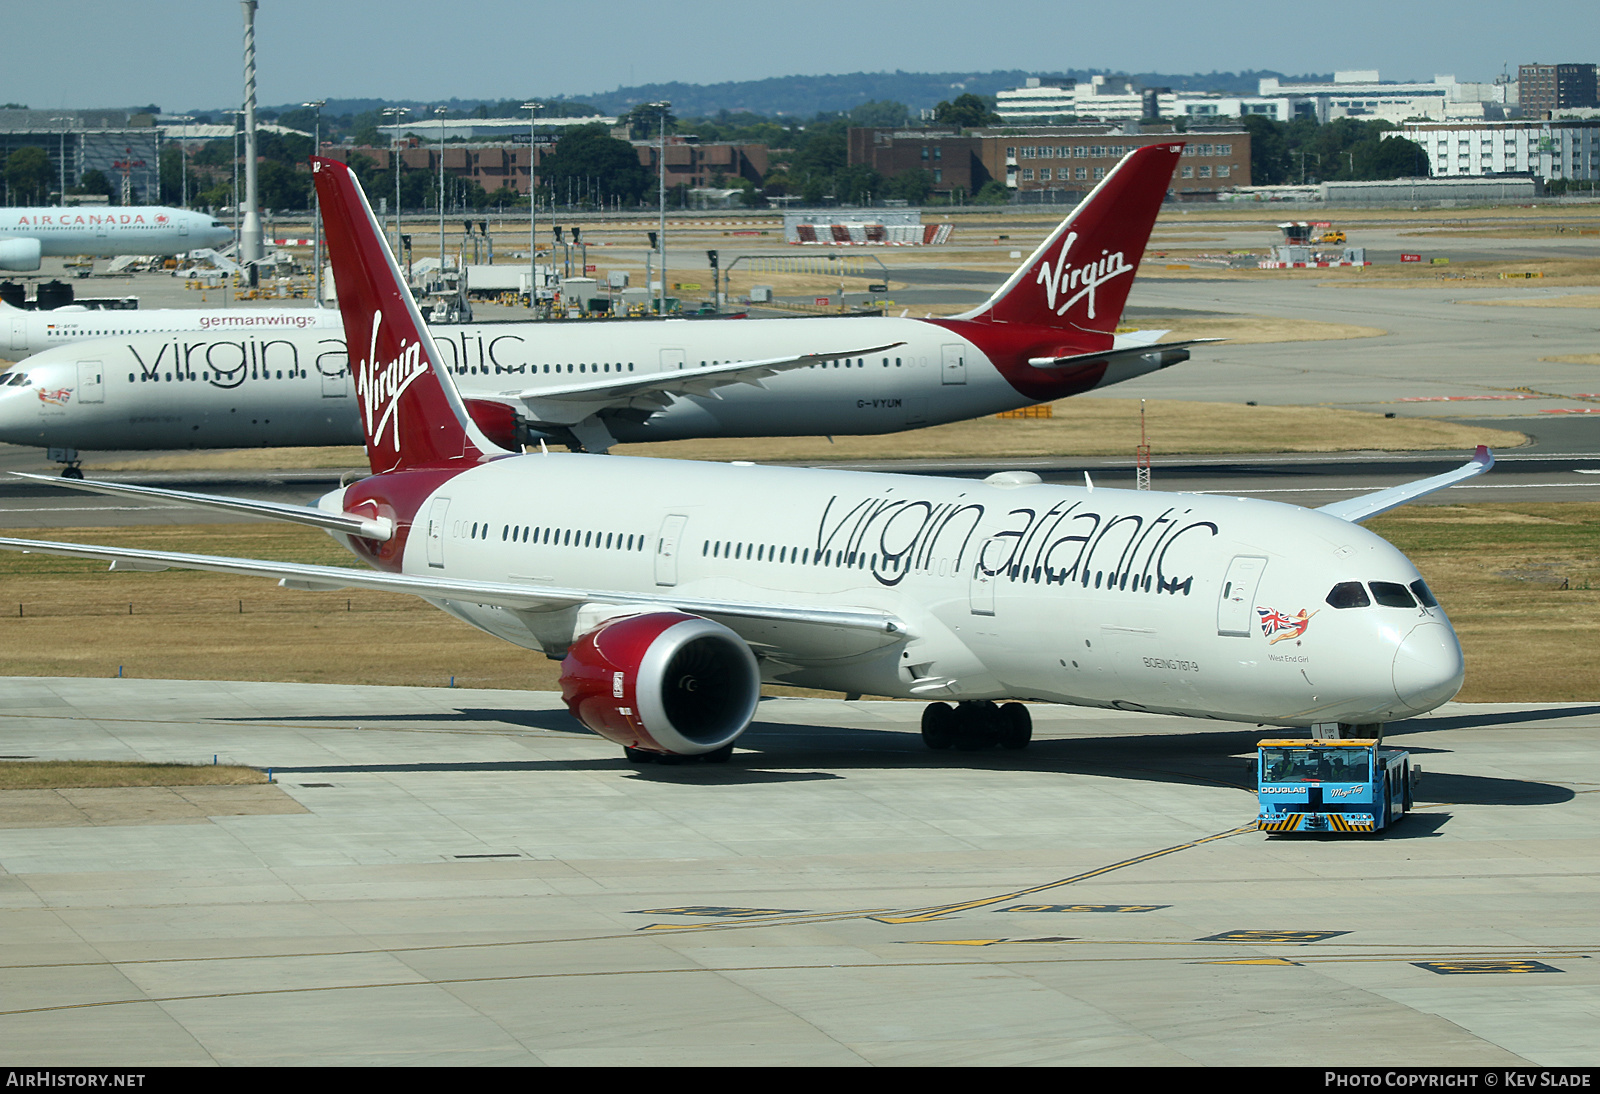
(718, 755)
(938, 726)
(639, 756)
(1016, 726)
(976, 726)
(72, 472)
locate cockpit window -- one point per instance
(1348, 594)
(1392, 595)
(1424, 594)
(15, 378)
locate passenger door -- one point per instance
(1236, 607)
(436, 526)
(955, 365)
(91, 382)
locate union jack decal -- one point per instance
(1277, 626)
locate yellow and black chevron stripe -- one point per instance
(1337, 822)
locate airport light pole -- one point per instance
(394, 162)
(316, 206)
(661, 117)
(533, 209)
(438, 116)
(183, 163)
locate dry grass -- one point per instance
(1575, 300)
(1499, 571)
(77, 620)
(1110, 427)
(61, 774)
(1575, 359)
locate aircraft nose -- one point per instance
(1428, 668)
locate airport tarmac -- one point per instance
(443, 876)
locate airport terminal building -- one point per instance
(124, 147)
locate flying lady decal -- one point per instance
(1278, 626)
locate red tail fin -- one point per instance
(410, 411)
(1080, 276)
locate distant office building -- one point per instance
(1360, 93)
(693, 163)
(1545, 89)
(953, 162)
(492, 166)
(1541, 149)
(1354, 94)
(1050, 164)
(1063, 162)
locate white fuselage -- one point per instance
(25, 333)
(292, 387)
(113, 230)
(1177, 603)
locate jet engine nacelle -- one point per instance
(499, 423)
(662, 682)
(19, 254)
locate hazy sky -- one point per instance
(187, 54)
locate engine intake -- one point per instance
(663, 682)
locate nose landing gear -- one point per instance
(976, 725)
(68, 456)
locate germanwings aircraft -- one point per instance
(28, 234)
(24, 333)
(671, 590)
(1047, 333)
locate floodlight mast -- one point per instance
(532, 108)
(661, 117)
(316, 207)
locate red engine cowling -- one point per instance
(498, 422)
(662, 682)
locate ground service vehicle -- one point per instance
(1332, 786)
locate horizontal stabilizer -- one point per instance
(374, 528)
(1167, 353)
(1367, 506)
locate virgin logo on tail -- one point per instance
(1065, 277)
(379, 387)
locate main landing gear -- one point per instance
(976, 725)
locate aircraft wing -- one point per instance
(375, 527)
(536, 598)
(569, 404)
(1356, 510)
